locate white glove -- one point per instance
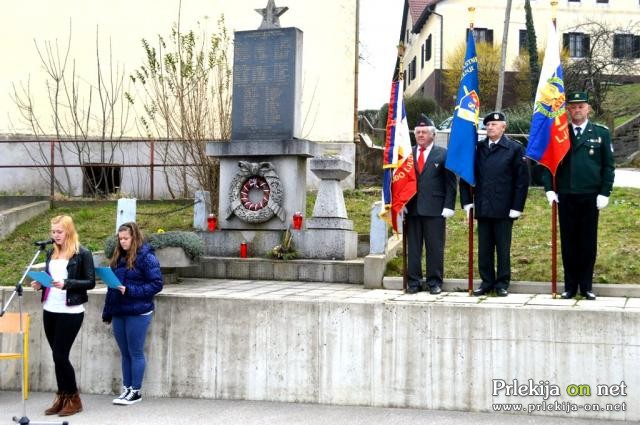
(447, 213)
(514, 214)
(404, 210)
(552, 197)
(602, 201)
(467, 208)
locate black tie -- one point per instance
(578, 131)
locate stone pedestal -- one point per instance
(329, 233)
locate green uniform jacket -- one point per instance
(588, 167)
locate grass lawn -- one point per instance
(618, 259)
(618, 242)
(94, 222)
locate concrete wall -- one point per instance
(367, 352)
(135, 181)
(13, 217)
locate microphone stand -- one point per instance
(24, 420)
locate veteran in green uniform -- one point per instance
(584, 181)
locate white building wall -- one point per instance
(329, 48)
(616, 13)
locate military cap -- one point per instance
(577, 97)
(424, 121)
(494, 116)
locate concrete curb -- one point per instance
(527, 287)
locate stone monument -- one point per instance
(263, 167)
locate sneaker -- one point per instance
(125, 392)
(132, 397)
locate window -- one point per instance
(626, 46)
(576, 43)
(412, 69)
(483, 35)
(523, 41)
(427, 49)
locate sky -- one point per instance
(380, 22)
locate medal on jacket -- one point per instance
(591, 151)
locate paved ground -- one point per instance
(98, 410)
(314, 292)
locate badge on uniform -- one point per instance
(437, 164)
(591, 151)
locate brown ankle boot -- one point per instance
(57, 404)
(72, 405)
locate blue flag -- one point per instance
(464, 128)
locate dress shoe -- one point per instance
(502, 292)
(413, 289)
(435, 290)
(566, 295)
(480, 291)
(589, 295)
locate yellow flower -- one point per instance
(160, 230)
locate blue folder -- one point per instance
(42, 278)
(108, 277)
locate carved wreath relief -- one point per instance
(256, 193)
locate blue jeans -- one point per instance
(130, 333)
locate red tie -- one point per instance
(421, 159)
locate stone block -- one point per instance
(374, 267)
(238, 269)
(310, 272)
(286, 270)
(213, 267)
(328, 244)
(172, 256)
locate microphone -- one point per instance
(43, 243)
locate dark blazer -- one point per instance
(80, 276)
(436, 185)
(589, 166)
(502, 179)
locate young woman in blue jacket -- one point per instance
(129, 307)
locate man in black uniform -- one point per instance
(502, 182)
(428, 210)
(584, 182)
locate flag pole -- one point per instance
(470, 256)
(401, 50)
(554, 205)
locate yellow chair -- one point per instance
(10, 324)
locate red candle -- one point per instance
(297, 220)
(243, 250)
(212, 222)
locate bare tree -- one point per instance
(184, 87)
(69, 112)
(609, 57)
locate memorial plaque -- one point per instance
(266, 84)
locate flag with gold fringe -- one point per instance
(399, 181)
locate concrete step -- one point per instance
(329, 271)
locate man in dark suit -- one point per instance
(502, 183)
(428, 209)
(584, 182)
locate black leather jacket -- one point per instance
(80, 276)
